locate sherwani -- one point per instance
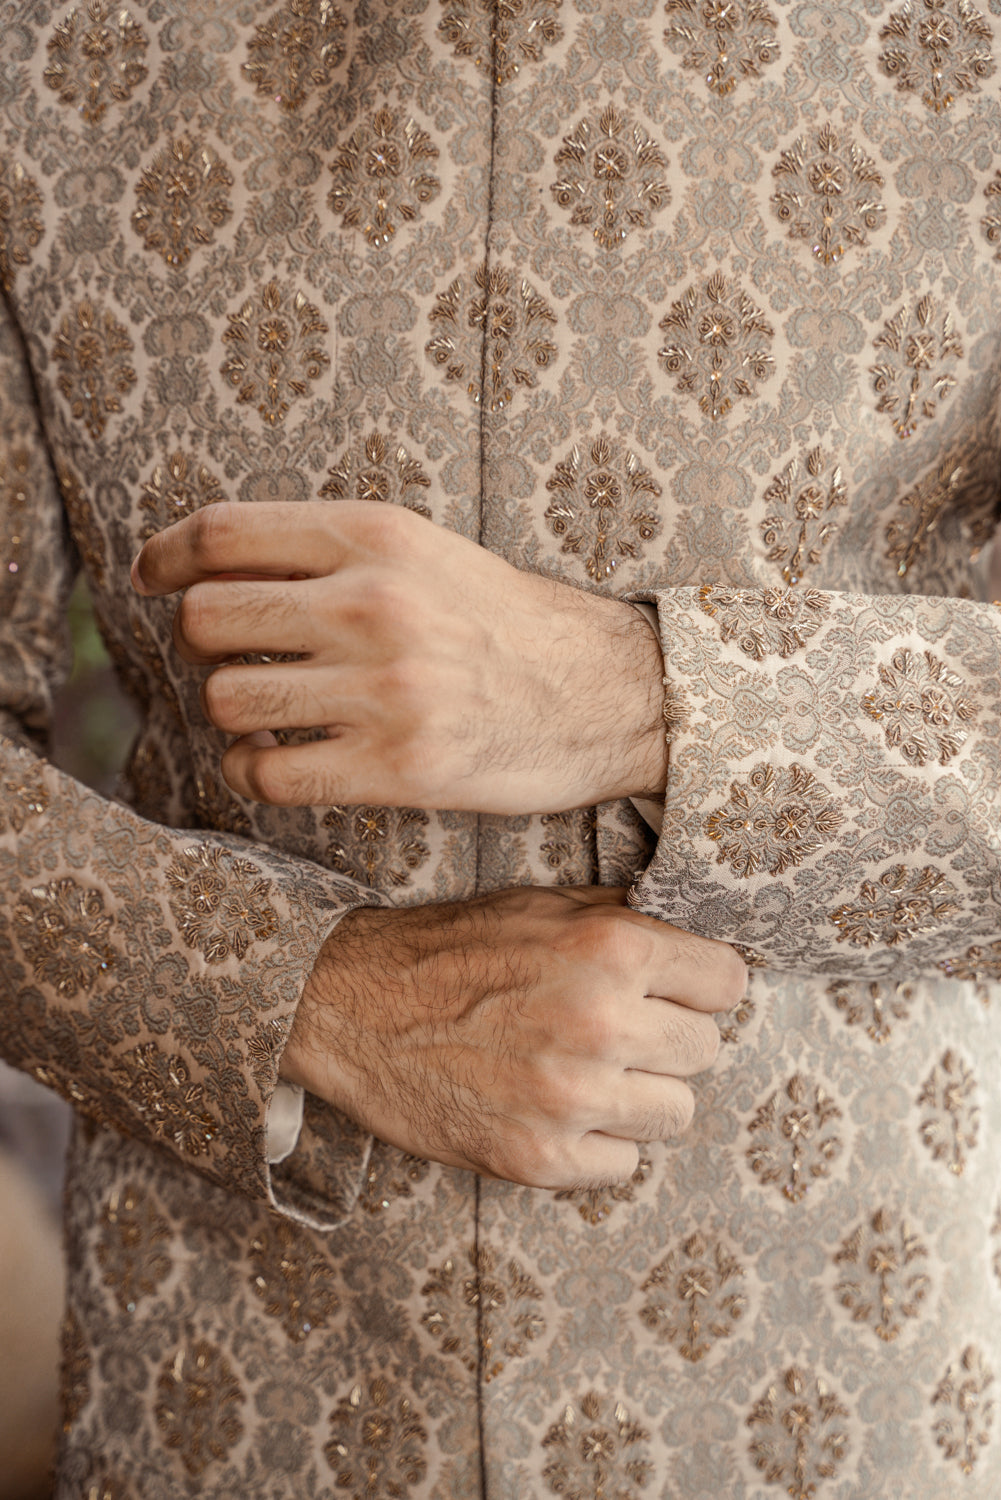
(698, 305)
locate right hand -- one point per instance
(535, 1035)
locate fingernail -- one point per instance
(136, 576)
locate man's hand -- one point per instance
(533, 1035)
(443, 677)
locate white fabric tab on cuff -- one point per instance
(284, 1121)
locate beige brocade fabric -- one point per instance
(697, 303)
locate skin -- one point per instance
(535, 1035)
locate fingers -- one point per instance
(697, 972)
(217, 620)
(271, 540)
(659, 1036)
(240, 699)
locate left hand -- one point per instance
(443, 677)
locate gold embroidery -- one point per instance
(21, 228)
(174, 490)
(979, 962)
(793, 1146)
(264, 1048)
(64, 932)
(294, 1281)
(501, 36)
(908, 535)
(378, 846)
(295, 50)
(900, 905)
(964, 1428)
(951, 1127)
(914, 373)
(698, 1299)
(370, 474)
(602, 505)
(990, 223)
(15, 477)
(74, 1370)
(797, 534)
(613, 178)
(800, 1440)
(198, 1405)
(106, 1485)
(160, 1090)
(727, 41)
(732, 1022)
(274, 350)
(923, 706)
(23, 793)
(939, 49)
(220, 902)
(569, 844)
(598, 1451)
(765, 622)
(390, 1174)
(486, 1317)
(217, 808)
(875, 1005)
(382, 174)
(183, 199)
(97, 61)
(877, 1285)
(491, 333)
(377, 1447)
(87, 534)
(773, 821)
(130, 1247)
(93, 348)
(827, 196)
(719, 345)
(595, 1205)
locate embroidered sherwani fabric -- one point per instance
(697, 304)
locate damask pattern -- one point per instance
(800, 1438)
(21, 227)
(503, 38)
(597, 1447)
(94, 351)
(923, 706)
(603, 505)
(375, 472)
(613, 177)
(383, 176)
(938, 49)
(133, 1248)
(828, 194)
(897, 906)
(378, 1441)
(726, 44)
(773, 821)
(295, 51)
(917, 352)
(199, 1406)
(882, 1275)
(183, 199)
(718, 345)
(492, 336)
(795, 1137)
(797, 531)
(697, 1297)
(950, 1115)
(96, 58)
(964, 1410)
(506, 1300)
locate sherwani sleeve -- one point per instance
(149, 975)
(834, 801)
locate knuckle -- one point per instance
(694, 1040)
(677, 1113)
(605, 936)
(196, 618)
(221, 699)
(533, 1160)
(211, 531)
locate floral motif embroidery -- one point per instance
(292, 1279)
(900, 905)
(793, 1146)
(797, 534)
(264, 1048)
(198, 1405)
(501, 37)
(698, 1298)
(97, 61)
(951, 1127)
(923, 706)
(21, 228)
(161, 1092)
(765, 622)
(377, 1447)
(74, 1370)
(597, 1452)
(183, 199)
(773, 821)
(390, 1175)
(913, 372)
(965, 1426)
(64, 932)
(130, 1247)
(371, 474)
(719, 344)
(23, 794)
(828, 194)
(568, 845)
(908, 531)
(104, 1484)
(512, 324)
(15, 476)
(732, 1022)
(800, 1440)
(595, 1205)
(295, 50)
(93, 349)
(175, 489)
(602, 505)
(382, 175)
(879, 1285)
(978, 963)
(486, 1317)
(990, 223)
(379, 846)
(875, 1005)
(727, 41)
(275, 350)
(221, 903)
(613, 178)
(939, 49)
